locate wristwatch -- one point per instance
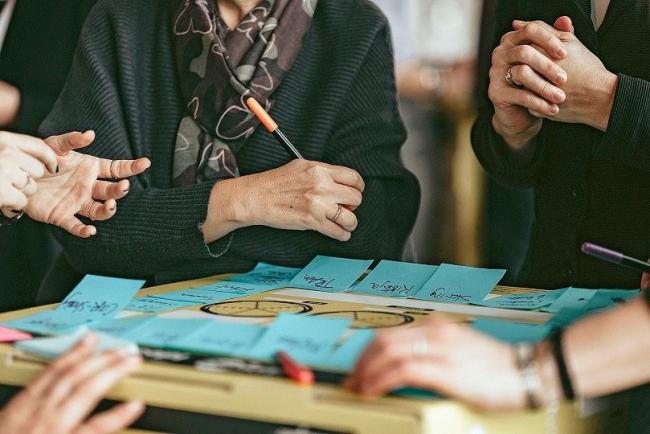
(6, 221)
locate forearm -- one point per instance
(609, 352)
(152, 230)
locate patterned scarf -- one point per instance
(218, 69)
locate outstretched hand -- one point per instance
(78, 189)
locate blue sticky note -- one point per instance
(51, 322)
(53, 347)
(99, 297)
(166, 332)
(343, 358)
(121, 326)
(395, 279)
(459, 284)
(572, 298)
(156, 304)
(329, 274)
(267, 274)
(307, 339)
(220, 338)
(608, 298)
(528, 301)
(512, 332)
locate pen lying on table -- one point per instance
(614, 257)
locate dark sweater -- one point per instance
(589, 185)
(337, 104)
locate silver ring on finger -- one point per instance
(510, 79)
(338, 214)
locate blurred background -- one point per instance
(442, 54)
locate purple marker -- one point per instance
(614, 257)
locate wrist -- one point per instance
(11, 99)
(517, 141)
(604, 93)
(225, 210)
(552, 392)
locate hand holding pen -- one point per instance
(300, 195)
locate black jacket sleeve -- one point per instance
(490, 148)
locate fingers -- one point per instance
(113, 420)
(105, 190)
(35, 148)
(537, 33)
(122, 168)
(81, 350)
(31, 188)
(99, 211)
(346, 176)
(31, 165)
(564, 24)
(424, 374)
(531, 80)
(530, 101)
(94, 380)
(347, 196)
(334, 230)
(346, 219)
(76, 227)
(527, 55)
(12, 198)
(70, 141)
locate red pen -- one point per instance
(292, 369)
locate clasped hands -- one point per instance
(53, 184)
(539, 71)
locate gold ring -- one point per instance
(89, 210)
(111, 169)
(338, 213)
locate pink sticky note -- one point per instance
(11, 335)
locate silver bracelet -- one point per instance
(527, 366)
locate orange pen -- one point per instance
(294, 370)
(272, 127)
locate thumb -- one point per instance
(70, 141)
(645, 280)
(564, 24)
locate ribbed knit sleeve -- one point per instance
(627, 137)
(367, 136)
(491, 150)
(154, 227)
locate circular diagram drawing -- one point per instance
(255, 309)
(370, 319)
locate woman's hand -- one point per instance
(61, 398)
(539, 75)
(444, 357)
(77, 188)
(301, 195)
(23, 160)
(589, 88)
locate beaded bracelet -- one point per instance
(527, 366)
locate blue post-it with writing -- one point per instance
(344, 357)
(459, 284)
(166, 332)
(221, 338)
(267, 274)
(99, 297)
(51, 322)
(54, 347)
(572, 298)
(121, 326)
(528, 301)
(608, 298)
(329, 274)
(156, 304)
(512, 332)
(306, 339)
(395, 279)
